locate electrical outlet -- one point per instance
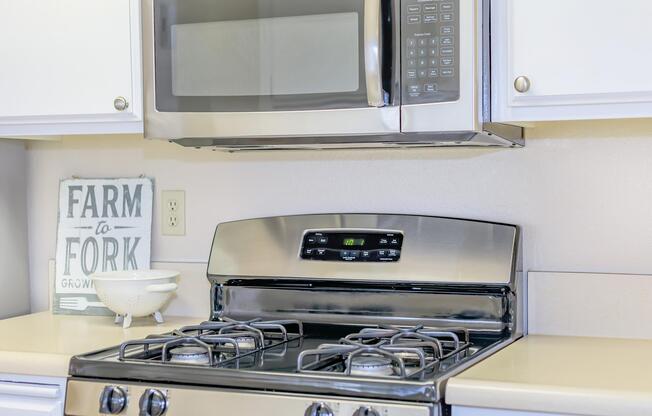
(173, 212)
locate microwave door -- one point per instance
(270, 68)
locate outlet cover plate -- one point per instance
(173, 212)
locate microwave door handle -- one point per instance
(372, 53)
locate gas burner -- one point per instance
(371, 365)
(212, 343)
(244, 343)
(402, 352)
(189, 355)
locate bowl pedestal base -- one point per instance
(125, 320)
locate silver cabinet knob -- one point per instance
(113, 400)
(120, 103)
(366, 411)
(153, 402)
(522, 84)
(319, 409)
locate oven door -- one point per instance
(270, 68)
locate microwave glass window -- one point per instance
(263, 57)
(259, 55)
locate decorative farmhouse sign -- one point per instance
(104, 225)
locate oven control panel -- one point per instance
(356, 246)
(430, 51)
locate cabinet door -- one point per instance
(584, 59)
(476, 411)
(31, 399)
(64, 62)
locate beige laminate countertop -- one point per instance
(565, 375)
(41, 344)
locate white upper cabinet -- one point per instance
(571, 60)
(70, 67)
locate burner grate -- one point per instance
(220, 341)
(410, 351)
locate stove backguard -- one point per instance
(447, 272)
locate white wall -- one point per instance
(590, 305)
(14, 284)
(581, 191)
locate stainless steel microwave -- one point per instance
(275, 74)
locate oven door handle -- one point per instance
(373, 53)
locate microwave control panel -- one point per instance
(352, 246)
(430, 51)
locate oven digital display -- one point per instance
(364, 246)
(353, 242)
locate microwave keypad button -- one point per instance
(430, 88)
(423, 73)
(415, 88)
(411, 73)
(424, 62)
(433, 41)
(447, 30)
(447, 61)
(448, 50)
(423, 41)
(414, 19)
(432, 52)
(432, 62)
(447, 72)
(411, 53)
(423, 52)
(429, 8)
(446, 17)
(446, 40)
(411, 63)
(446, 7)
(414, 9)
(433, 73)
(411, 42)
(429, 18)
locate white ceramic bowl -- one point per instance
(135, 293)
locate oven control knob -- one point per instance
(113, 400)
(366, 411)
(319, 409)
(153, 403)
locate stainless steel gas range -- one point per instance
(323, 315)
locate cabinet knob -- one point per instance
(522, 84)
(120, 103)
